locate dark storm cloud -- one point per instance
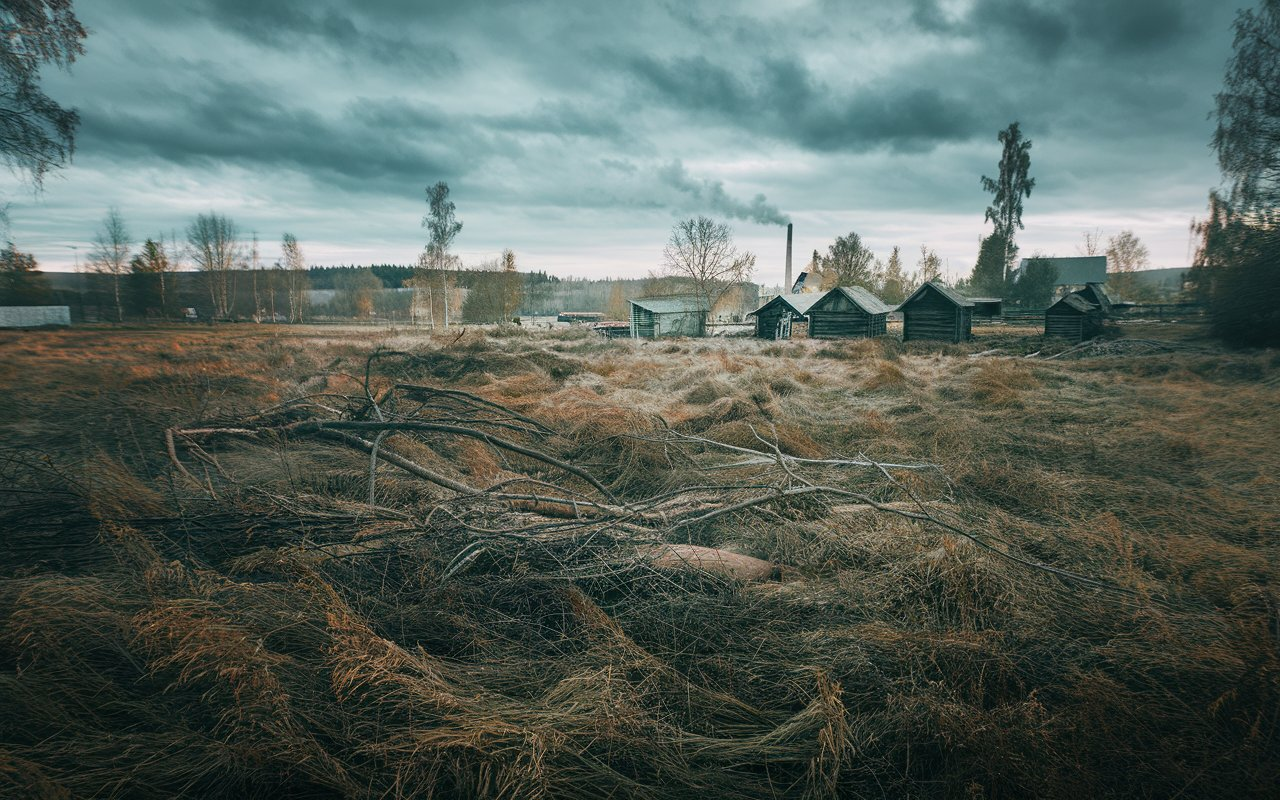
(375, 141)
(306, 23)
(247, 124)
(1046, 29)
(781, 98)
(713, 197)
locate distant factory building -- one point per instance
(657, 317)
(847, 312)
(935, 312)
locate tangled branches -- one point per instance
(542, 495)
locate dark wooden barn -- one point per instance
(775, 318)
(847, 312)
(1073, 318)
(935, 312)
(654, 318)
(1096, 294)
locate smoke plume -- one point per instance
(712, 195)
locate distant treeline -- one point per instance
(345, 291)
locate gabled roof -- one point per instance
(797, 302)
(1076, 302)
(863, 299)
(946, 292)
(1098, 292)
(670, 305)
(1074, 270)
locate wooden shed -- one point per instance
(847, 312)
(988, 307)
(656, 317)
(774, 318)
(935, 312)
(1073, 318)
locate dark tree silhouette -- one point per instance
(36, 133)
(1009, 189)
(1247, 138)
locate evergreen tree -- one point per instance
(988, 277)
(1033, 288)
(893, 290)
(21, 282)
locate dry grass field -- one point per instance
(1066, 588)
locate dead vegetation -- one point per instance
(578, 568)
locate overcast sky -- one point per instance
(576, 133)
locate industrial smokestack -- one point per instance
(787, 285)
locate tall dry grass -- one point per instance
(281, 639)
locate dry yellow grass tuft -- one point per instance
(1002, 383)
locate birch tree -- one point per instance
(442, 227)
(1009, 188)
(296, 269)
(110, 253)
(215, 249)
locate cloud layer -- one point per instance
(577, 132)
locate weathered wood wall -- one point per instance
(932, 316)
(1072, 325)
(838, 317)
(641, 323)
(767, 323)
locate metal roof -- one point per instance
(670, 305)
(1077, 302)
(1074, 270)
(867, 301)
(798, 302)
(946, 292)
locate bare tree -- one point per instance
(296, 266)
(255, 264)
(36, 134)
(1126, 254)
(702, 252)
(215, 248)
(1092, 243)
(110, 253)
(928, 268)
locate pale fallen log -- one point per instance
(865, 508)
(692, 557)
